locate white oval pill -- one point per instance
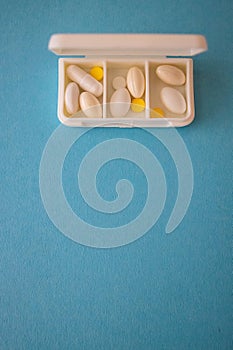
(173, 100)
(71, 98)
(120, 103)
(118, 82)
(170, 75)
(90, 105)
(135, 82)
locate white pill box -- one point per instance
(116, 54)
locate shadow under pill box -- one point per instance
(119, 83)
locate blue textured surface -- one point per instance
(162, 291)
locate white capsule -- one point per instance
(170, 75)
(120, 103)
(135, 82)
(85, 80)
(71, 98)
(173, 100)
(90, 105)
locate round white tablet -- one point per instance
(118, 83)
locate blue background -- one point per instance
(160, 292)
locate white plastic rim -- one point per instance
(127, 121)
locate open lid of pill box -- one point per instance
(146, 49)
(127, 44)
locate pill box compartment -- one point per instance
(78, 118)
(117, 68)
(156, 85)
(116, 54)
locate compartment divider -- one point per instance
(105, 89)
(147, 92)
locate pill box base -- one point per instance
(153, 85)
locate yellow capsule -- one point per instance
(97, 73)
(157, 113)
(138, 105)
